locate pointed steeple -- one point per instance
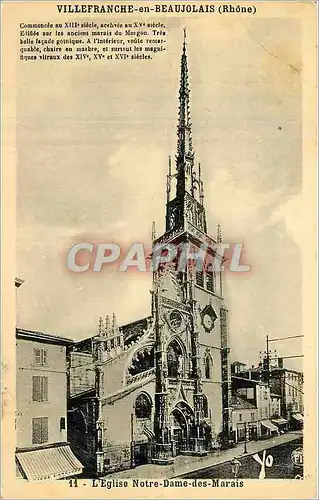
(185, 154)
(184, 128)
(185, 209)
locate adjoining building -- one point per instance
(254, 407)
(284, 382)
(160, 387)
(245, 422)
(289, 384)
(42, 449)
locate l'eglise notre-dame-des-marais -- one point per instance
(160, 386)
(166, 483)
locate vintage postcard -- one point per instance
(159, 250)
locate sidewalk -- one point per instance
(185, 464)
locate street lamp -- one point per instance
(235, 464)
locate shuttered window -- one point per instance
(210, 281)
(200, 278)
(40, 430)
(40, 356)
(40, 388)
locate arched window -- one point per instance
(208, 365)
(143, 406)
(205, 406)
(174, 357)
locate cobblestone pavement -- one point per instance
(185, 464)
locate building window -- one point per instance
(205, 406)
(252, 417)
(40, 356)
(143, 406)
(200, 278)
(208, 363)
(210, 281)
(40, 430)
(240, 417)
(174, 357)
(62, 424)
(40, 389)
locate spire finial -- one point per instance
(100, 325)
(169, 180)
(107, 325)
(185, 155)
(219, 233)
(153, 231)
(114, 323)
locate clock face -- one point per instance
(175, 320)
(208, 317)
(208, 322)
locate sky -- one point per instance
(92, 152)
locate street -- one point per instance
(281, 467)
(217, 464)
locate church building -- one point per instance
(159, 387)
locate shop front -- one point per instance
(281, 423)
(268, 429)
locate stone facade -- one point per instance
(162, 384)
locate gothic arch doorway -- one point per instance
(182, 419)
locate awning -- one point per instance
(55, 462)
(297, 416)
(269, 425)
(279, 421)
(19, 474)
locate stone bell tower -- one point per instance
(191, 346)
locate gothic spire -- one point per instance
(186, 209)
(185, 155)
(184, 128)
